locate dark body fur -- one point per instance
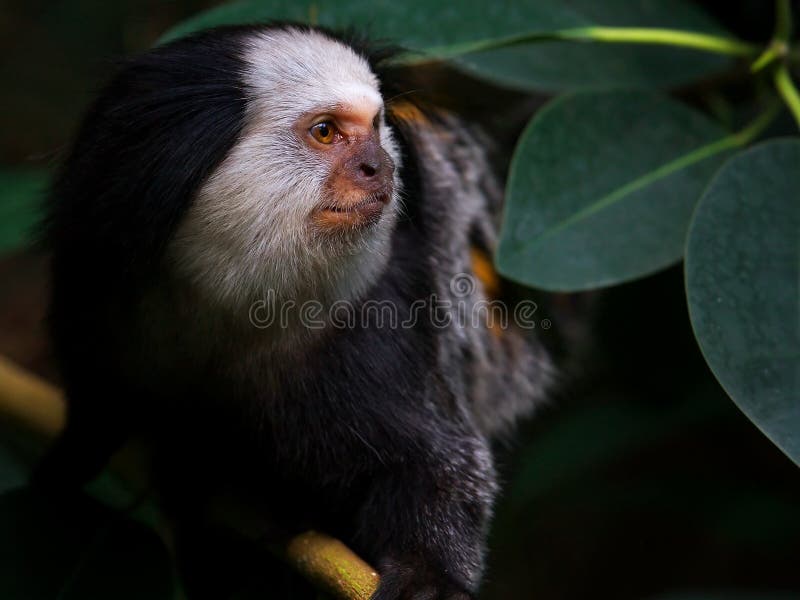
(378, 435)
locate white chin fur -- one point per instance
(247, 231)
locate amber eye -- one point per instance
(324, 132)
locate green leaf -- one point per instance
(602, 187)
(71, 547)
(20, 199)
(552, 67)
(544, 66)
(743, 286)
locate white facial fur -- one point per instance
(247, 230)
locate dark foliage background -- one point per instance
(642, 480)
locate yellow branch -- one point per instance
(331, 566)
(28, 402)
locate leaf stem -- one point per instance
(668, 37)
(756, 127)
(615, 35)
(773, 52)
(788, 91)
(779, 46)
(783, 20)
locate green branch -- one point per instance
(779, 55)
(783, 20)
(776, 50)
(743, 137)
(779, 47)
(788, 91)
(665, 37)
(615, 35)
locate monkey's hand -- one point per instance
(412, 579)
(426, 518)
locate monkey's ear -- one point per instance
(406, 114)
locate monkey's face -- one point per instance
(360, 181)
(305, 202)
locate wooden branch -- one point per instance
(30, 403)
(331, 566)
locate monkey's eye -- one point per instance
(325, 132)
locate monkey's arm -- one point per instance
(433, 507)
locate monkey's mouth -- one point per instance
(363, 213)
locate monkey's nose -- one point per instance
(369, 169)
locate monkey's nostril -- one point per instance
(368, 170)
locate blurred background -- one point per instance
(641, 480)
